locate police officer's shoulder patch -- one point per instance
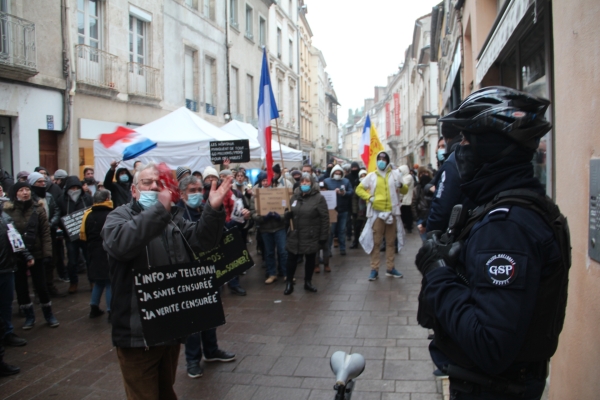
(501, 270)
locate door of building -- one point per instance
(49, 150)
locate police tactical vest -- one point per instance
(548, 316)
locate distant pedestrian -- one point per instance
(344, 191)
(310, 228)
(98, 269)
(405, 210)
(120, 191)
(421, 202)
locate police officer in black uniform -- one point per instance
(496, 297)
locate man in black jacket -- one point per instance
(121, 189)
(147, 233)
(73, 199)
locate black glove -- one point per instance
(430, 256)
(274, 215)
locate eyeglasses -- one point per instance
(149, 182)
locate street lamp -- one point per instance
(429, 119)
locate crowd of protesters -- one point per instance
(129, 206)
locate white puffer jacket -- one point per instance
(408, 180)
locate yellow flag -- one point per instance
(374, 149)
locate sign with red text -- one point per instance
(388, 122)
(397, 114)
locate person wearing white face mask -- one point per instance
(343, 189)
(74, 199)
(134, 238)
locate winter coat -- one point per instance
(66, 204)
(344, 202)
(21, 216)
(54, 190)
(6, 181)
(189, 213)
(359, 208)
(368, 187)
(52, 209)
(311, 222)
(120, 191)
(8, 258)
(421, 203)
(92, 225)
(137, 240)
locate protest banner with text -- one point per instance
(72, 224)
(237, 151)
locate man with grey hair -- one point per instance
(134, 238)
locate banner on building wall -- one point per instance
(397, 114)
(387, 120)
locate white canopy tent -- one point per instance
(243, 130)
(182, 138)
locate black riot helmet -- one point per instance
(502, 110)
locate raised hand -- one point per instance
(216, 196)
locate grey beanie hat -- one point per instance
(34, 177)
(60, 174)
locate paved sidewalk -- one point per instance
(283, 343)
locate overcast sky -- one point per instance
(363, 42)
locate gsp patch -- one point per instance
(501, 270)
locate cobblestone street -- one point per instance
(282, 343)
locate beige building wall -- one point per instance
(576, 97)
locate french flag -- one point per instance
(267, 111)
(365, 142)
(127, 142)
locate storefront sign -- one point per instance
(388, 121)
(72, 224)
(513, 15)
(237, 151)
(456, 61)
(178, 300)
(397, 114)
(50, 122)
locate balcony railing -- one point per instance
(333, 118)
(143, 80)
(17, 45)
(96, 67)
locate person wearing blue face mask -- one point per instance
(146, 233)
(120, 190)
(310, 230)
(380, 190)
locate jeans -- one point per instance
(194, 346)
(73, 254)
(99, 286)
(339, 230)
(272, 241)
(7, 287)
(38, 277)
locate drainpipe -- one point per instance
(69, 87)
(227, 61)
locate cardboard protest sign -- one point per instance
(178, 300)
(236, 150)
(72, 224)
(332, 216)
(272, 200)
(230, 259)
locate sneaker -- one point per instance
(271, 279)
(195, 371)
(373, 275)
(220, 355)
(394, 273)
(237, 290)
